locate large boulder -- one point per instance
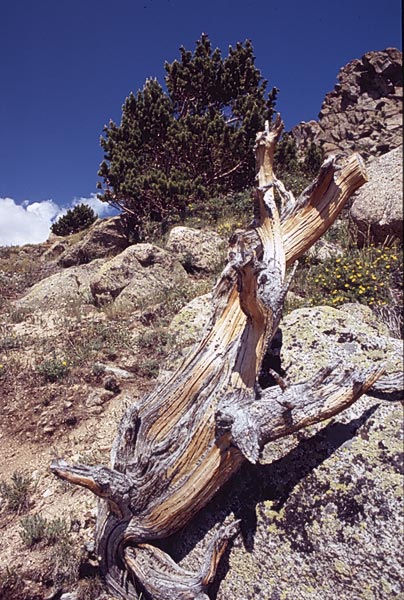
(66, 288)
(106, 237)
(320, 514)
(196, 249)
(311, 337)
(364, 111)
(377, 210)
(139, 273)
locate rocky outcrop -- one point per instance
(140, 272)
(197, 250)
(320, 513)
(364, 111)
(107, 237)
(377, 210)
(63, 289)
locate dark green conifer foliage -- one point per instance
(76, 219)
(174, 150)
(297, 169)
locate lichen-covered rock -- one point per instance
(315, 337)
(185, 329)
(377, 210)
(321, 515)
(138, 273)
(324, 250)
(62, 289)
(312, 337)
(106, 237)
(197, 250)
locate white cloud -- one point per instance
(25, 223)
(102, 209)
(30, 222)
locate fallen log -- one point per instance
(183, 441)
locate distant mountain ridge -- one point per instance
(364, 111)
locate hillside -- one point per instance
(90, 321)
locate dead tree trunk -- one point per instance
(183, 441)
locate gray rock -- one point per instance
(56, 249)
(106, 237)
(196, 249)
(377, 210)
(323, 250)
(61, 289)
(108, 369)
(138, 273)
(186, 329)
(320, 515)
(98, 397)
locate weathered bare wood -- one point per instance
(183, 441)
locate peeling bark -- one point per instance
(184, 440)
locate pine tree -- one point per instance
(297, 167)
(174, 150)
(76, 219)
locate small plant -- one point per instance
(9, 342)
(37, 528)
(98, 369)
(11, 585)
(90, 588)
(155, 341)
(17, 492)
(53, 369)
(19, 314)
(98, 338)
(64, 563)
(363, 276)
(33, 529)
(148, 367)
(76, 219)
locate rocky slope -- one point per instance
(319, 515)
(85, 328)
(321, 512)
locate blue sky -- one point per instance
(67, 66)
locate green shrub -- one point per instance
(148, 367)
(17, 491)
(296, 168)
(36, 529)
(53, 369)
(155, 340)
(76, 219)
(368, 275)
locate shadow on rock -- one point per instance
(254, 484)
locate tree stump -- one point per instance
(183, 441)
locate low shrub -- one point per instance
(148, 367)
(90, 588)
(12, 585)
(366, 276)
(17, 491)
(36, 529)
(53, 369)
